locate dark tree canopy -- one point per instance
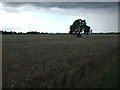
(78, 27)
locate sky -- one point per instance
(53, 17)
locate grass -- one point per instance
(110, 77)
(59, 61)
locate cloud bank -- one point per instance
(58, 16)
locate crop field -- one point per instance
(60, 61)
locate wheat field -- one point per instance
(60, 61)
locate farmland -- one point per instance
(60, 61)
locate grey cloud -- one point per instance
(68, 5)
(11, 7)
(11, 10)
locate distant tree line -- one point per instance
(30, 32)
(11, 32)
(107, 33)
(35, 32)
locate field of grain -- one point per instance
(59, 61)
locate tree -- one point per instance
(86, 30)
(78, 27)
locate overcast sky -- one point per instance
(57, 17)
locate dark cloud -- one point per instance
(93, 5)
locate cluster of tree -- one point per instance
(78, 27)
